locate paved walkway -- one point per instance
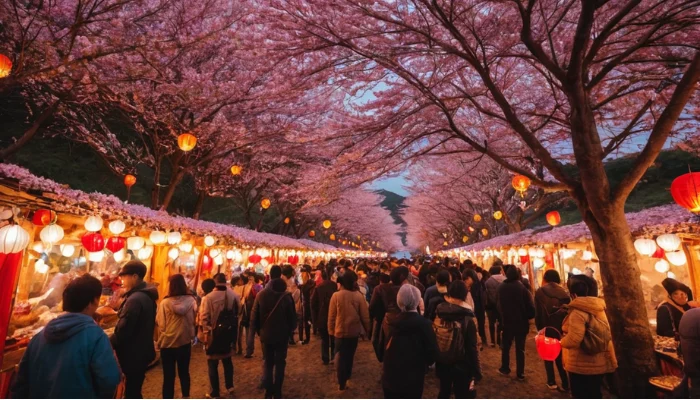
(307, 377)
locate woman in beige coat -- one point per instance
(348, 315)
(586, 370)
(176, 320)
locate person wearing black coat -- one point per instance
(307, 289)
(478, 292)
(411, 348)
(274, 318)
(320, 299)
(133, 335)
(550, 313)
(516, 307)
(456, 378)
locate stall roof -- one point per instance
(73, 201)
(650, 222)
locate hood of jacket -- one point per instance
(150, 291)
(497, 278)
(278, 285)
(591, 305)
(66, 326)
(181, 305)
(556, 291)
(453, 312)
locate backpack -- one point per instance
(225, 331)
(450, 341)
(597, 336)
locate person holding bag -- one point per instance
(587, 344)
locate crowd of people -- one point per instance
(422, 316)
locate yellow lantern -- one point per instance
(485, 232)
(5, 66)
(312, 234)
(497, 215)
(332, 237)
(265, 203)
(521, 183)
(444, 243)
(236, 170)
(186, 141)
(465, 238)
(327, 223)
(287, 220)
(477, 218)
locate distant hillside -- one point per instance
(394, 203)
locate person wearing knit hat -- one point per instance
(670, 312)
(408, 299)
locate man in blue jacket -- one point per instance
(71, 357)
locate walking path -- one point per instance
(307, 377)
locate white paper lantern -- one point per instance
(538, 263)
(93, 223)
(186, 247)
(96, 256)
(218, 260)
(264, 263)
(13, 239)
(230, 255)
(174, 238)
(145, 253)
(587, 255)
(671, 275)
(541, 253)
(119, 256)
(669, 242)
(158, 237)
(51, 234)
(676, 258)
(41, 267)
(173, 253)
(135, 243)
(38, 247)
(214, 252)
(662, 266)
(645, 247)
(67, 250)
(209, 241)
(238, 257)
(532, 252)
(522, 252)
(117, 227)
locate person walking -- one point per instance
(133, 336)
(478, 296)
(288, 274)
(436, 294)
(411, 349)
(689, 332)
(274, 318)
(348, 315)
(457, 367)
(219, 307)
(492, 284)
(307, 288)
(587, 358)
(550, 300)
(248, 293)
(320, 301)
(71, 358)
(516, 308)
(175, 319)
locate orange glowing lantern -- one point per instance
(265, 203)
(485, 232)
(553, 218)
(129, 180)
(327, 223)
(186, 141)
(686, 191)
(287, 220)
(312, 234)
(465, 238)
(444, 243)
(521, 183)
(236, 170)
(477, 218)
(471, 229)
(5, 66)
(498, 215)
(332, 237)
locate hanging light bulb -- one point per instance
(209, 241)
(117, 227)
(93, 223)
(67, 250)
(173, 253)
(174, 238)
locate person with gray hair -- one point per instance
(411, 347)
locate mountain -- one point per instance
(394, 203)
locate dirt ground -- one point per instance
(307, 377)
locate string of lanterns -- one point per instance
(668, 247)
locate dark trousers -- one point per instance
(508, 337)
(275, 363)
(214, 375)
(305, 326)
(481, 324)
(327, 345)
(133, 384)
(551, 379)
(586, 386)
(495, 329)
(249, 340)
(454, 380)
(388, 394)
(346, 357)
(180, 357)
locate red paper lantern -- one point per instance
(254, 259)
(5, 66)
(270, 259)
(659, 253)
(206, 263)
(312, 234)
(115, 243)
(129, 180)
(294, 260)
(524, 259)
(686, 191)
(93, 242)
(553, 218)
(43, 217)
(547, 347)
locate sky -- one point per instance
(394, 184)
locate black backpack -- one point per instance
(225, 331)
(450, 341)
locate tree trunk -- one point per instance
(155, 190)
(624, 299)
(174, 182)
(200, 204)
(31, 132)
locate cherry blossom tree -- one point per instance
(569, 80)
